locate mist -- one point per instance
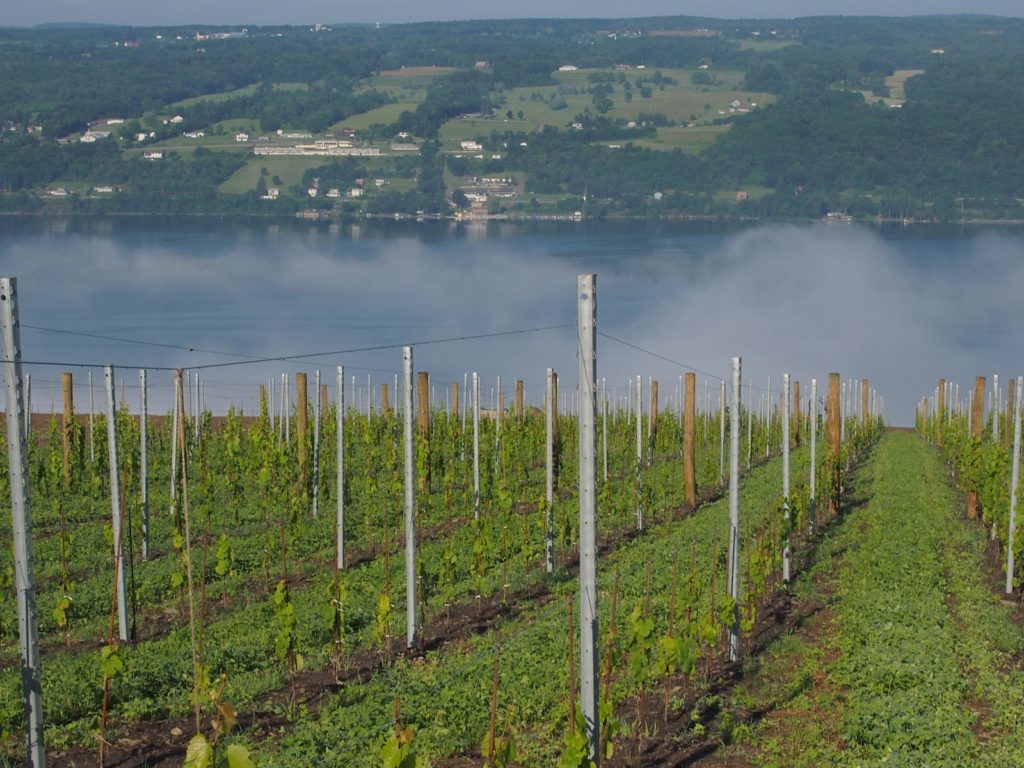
(901, 308)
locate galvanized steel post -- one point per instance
(316, 444)
(721, 433)
(476, 446)
(411, 626)
(814, 453)
(143, 463)
(340, 417)
(549, 420)
(115, 503)
(639, 452)
(1014, 480)
(734, 508)
(587, 353)
(21, 518)
(785, 475)
(92, 412)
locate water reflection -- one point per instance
(901, 306)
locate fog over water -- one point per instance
(900, 308)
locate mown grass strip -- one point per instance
(919, 655)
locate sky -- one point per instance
(231, 12)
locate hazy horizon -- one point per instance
(190, 12)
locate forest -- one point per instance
(911, 118)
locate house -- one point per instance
(241, 136)
(742, 196)
(355, 192)
(334, 192)
(704, 67)
(735, 104)
(58, 192)
(481, 65)
(379, 182)
(470, 146)
(312, 191)
(177, 120)
(194, 134)
(90, 136)
(104, 190)
(141, 136)
(272, 194)
(153, 155)
(568, 68)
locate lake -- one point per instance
(901, 306)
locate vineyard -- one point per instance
(399, 584)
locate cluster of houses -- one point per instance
(334, 193)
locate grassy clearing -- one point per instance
(386, 114)
(896, 83)
(765, 45)
(289, 169)
(898, 79)
(238, 92)
(682, 102)
(691, 140)
(215, 97)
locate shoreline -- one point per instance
(315, 218)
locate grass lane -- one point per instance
(914, 661)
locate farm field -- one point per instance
(235, 591)
(228, 95)
(678, 99)
(309, 655)
(895, 82)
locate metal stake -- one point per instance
(316, 444)
(814, 453)
(639, 452)
(143, 479)
(476, 446)
(340, 415)
(734, 508)
(115, 503)
(587, 353)
(411, 628)
(785, 474)
(1014, 479)
(549, 421)
(21, 518)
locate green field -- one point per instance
(687, 139)
(896, 81)
(289, 169)
(765, 45)
(386, 114)
(680, 102)
(238, 92)
(408, 84)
